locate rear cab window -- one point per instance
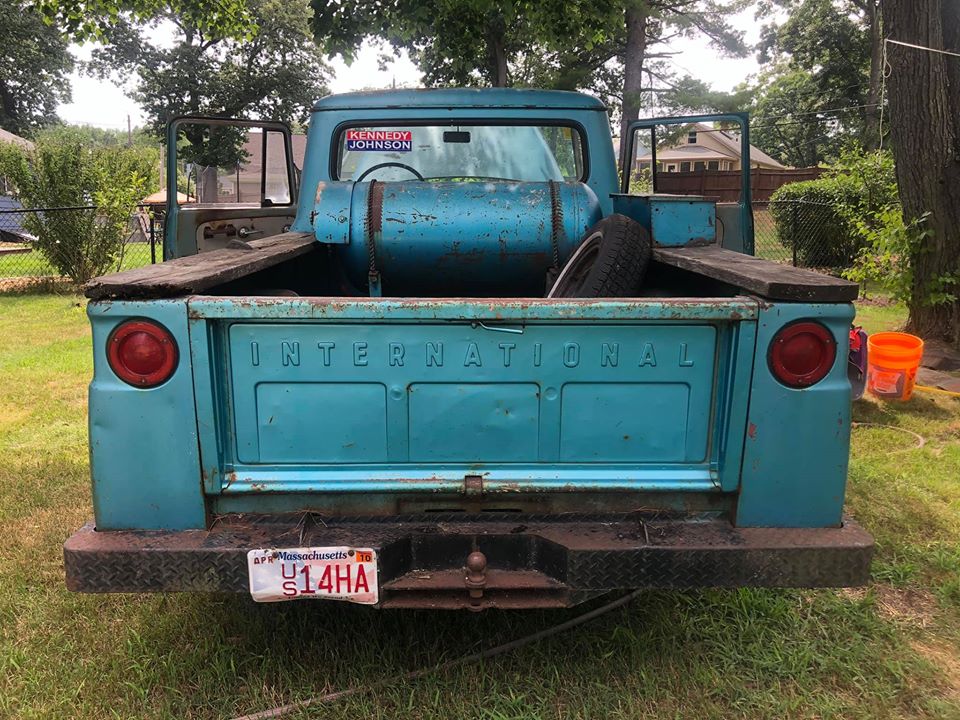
(445, 151)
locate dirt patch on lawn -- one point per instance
(915, 607)
(944, 657)
(903, 605)
(46, 283)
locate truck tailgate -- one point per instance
(471, 396)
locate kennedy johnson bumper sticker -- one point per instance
(380, 140)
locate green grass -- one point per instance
(889, 651)
(34, 264)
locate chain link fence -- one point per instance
(24, 266)
(804, 234)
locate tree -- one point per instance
(787, 122)
(874, 97)
(276, 75)
(461, 42)
(925, 134)
(652, 23)
(34, 65)
(821, 84)
(93, 19)
(63, 171)
(616, 49)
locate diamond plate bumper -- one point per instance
(530, 561)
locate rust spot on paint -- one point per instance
(752, 431)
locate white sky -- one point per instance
(104, 104)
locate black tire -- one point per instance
(611, 261)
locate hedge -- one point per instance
(816, 218)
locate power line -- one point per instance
(805, 93)
(765, 124)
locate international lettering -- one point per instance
(439, 354)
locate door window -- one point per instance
(222, 164)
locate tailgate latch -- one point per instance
(473, 485)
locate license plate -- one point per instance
(313, 573)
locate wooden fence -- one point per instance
(724, 185)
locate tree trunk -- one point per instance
(207, 190)
(633, 59)
(925, 133)
(8, 108)
(872, 112)
(496, 48)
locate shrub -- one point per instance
(889, 244)
(829, 221)
(61, 172)
(813, 223)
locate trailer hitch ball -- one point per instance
(476, 578)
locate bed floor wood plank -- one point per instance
(196, 273)
(763, 277)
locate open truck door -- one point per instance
(228, 180)
(734, 220)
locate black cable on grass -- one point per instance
(921, 440)
(465, 660)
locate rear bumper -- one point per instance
(531, 561)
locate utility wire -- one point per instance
(787, 123)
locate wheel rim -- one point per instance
(575, 272)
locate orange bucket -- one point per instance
(892, 362)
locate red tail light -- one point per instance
(802, 354)
(142, 353)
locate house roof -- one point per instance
(733, 143)
(729, 149)
(693, 153)
(11, 229)
(9, 137)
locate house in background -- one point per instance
(9, 137)
(11, 222)
(705, 148)
(242, 183)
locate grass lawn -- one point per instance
(35, 264)
(888, 651)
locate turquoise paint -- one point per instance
(745, 206)
(673, 220)
(351, 396)
(280, 399)
(456, 99)
(494, 312)
(144, 455)
(458, 238)
(533, 107)
(796, 447)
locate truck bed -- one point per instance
(207, 271)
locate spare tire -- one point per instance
(611, 261)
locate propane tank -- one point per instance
(458, 238)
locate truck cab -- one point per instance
(378, 377)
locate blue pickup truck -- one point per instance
(454, 363)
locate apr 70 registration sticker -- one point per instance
(380, 140)
(313, 573)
